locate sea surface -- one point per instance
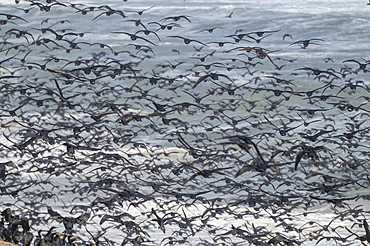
(110, 111)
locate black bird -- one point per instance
(3, 168)
(318, 71)
(68, 222)
(362, 66)
(110, 12)
(10, 17)
(135, 37)
(176, 18)
(20, 33)
(306, 150)
(304, 43)
(139, 23)
(167, 26)
(213, 76)
(365, 237)
(313, 138)
(207, 173)
(210, 30)
(188, 40)
(230, 15)
(141, 11)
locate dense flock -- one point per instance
(158, 130)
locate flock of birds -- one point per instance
(213, 141)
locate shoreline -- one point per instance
(4, 243)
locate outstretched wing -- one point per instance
(298, 159)
(55, 215)
(81, 220)
(366, 226)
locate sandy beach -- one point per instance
(3, 243)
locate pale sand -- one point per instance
(2, 243)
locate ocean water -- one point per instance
(146, 152)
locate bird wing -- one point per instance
(200, 80)
(366, 226)
(298, 159)
(82, 218)
(55, 215)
